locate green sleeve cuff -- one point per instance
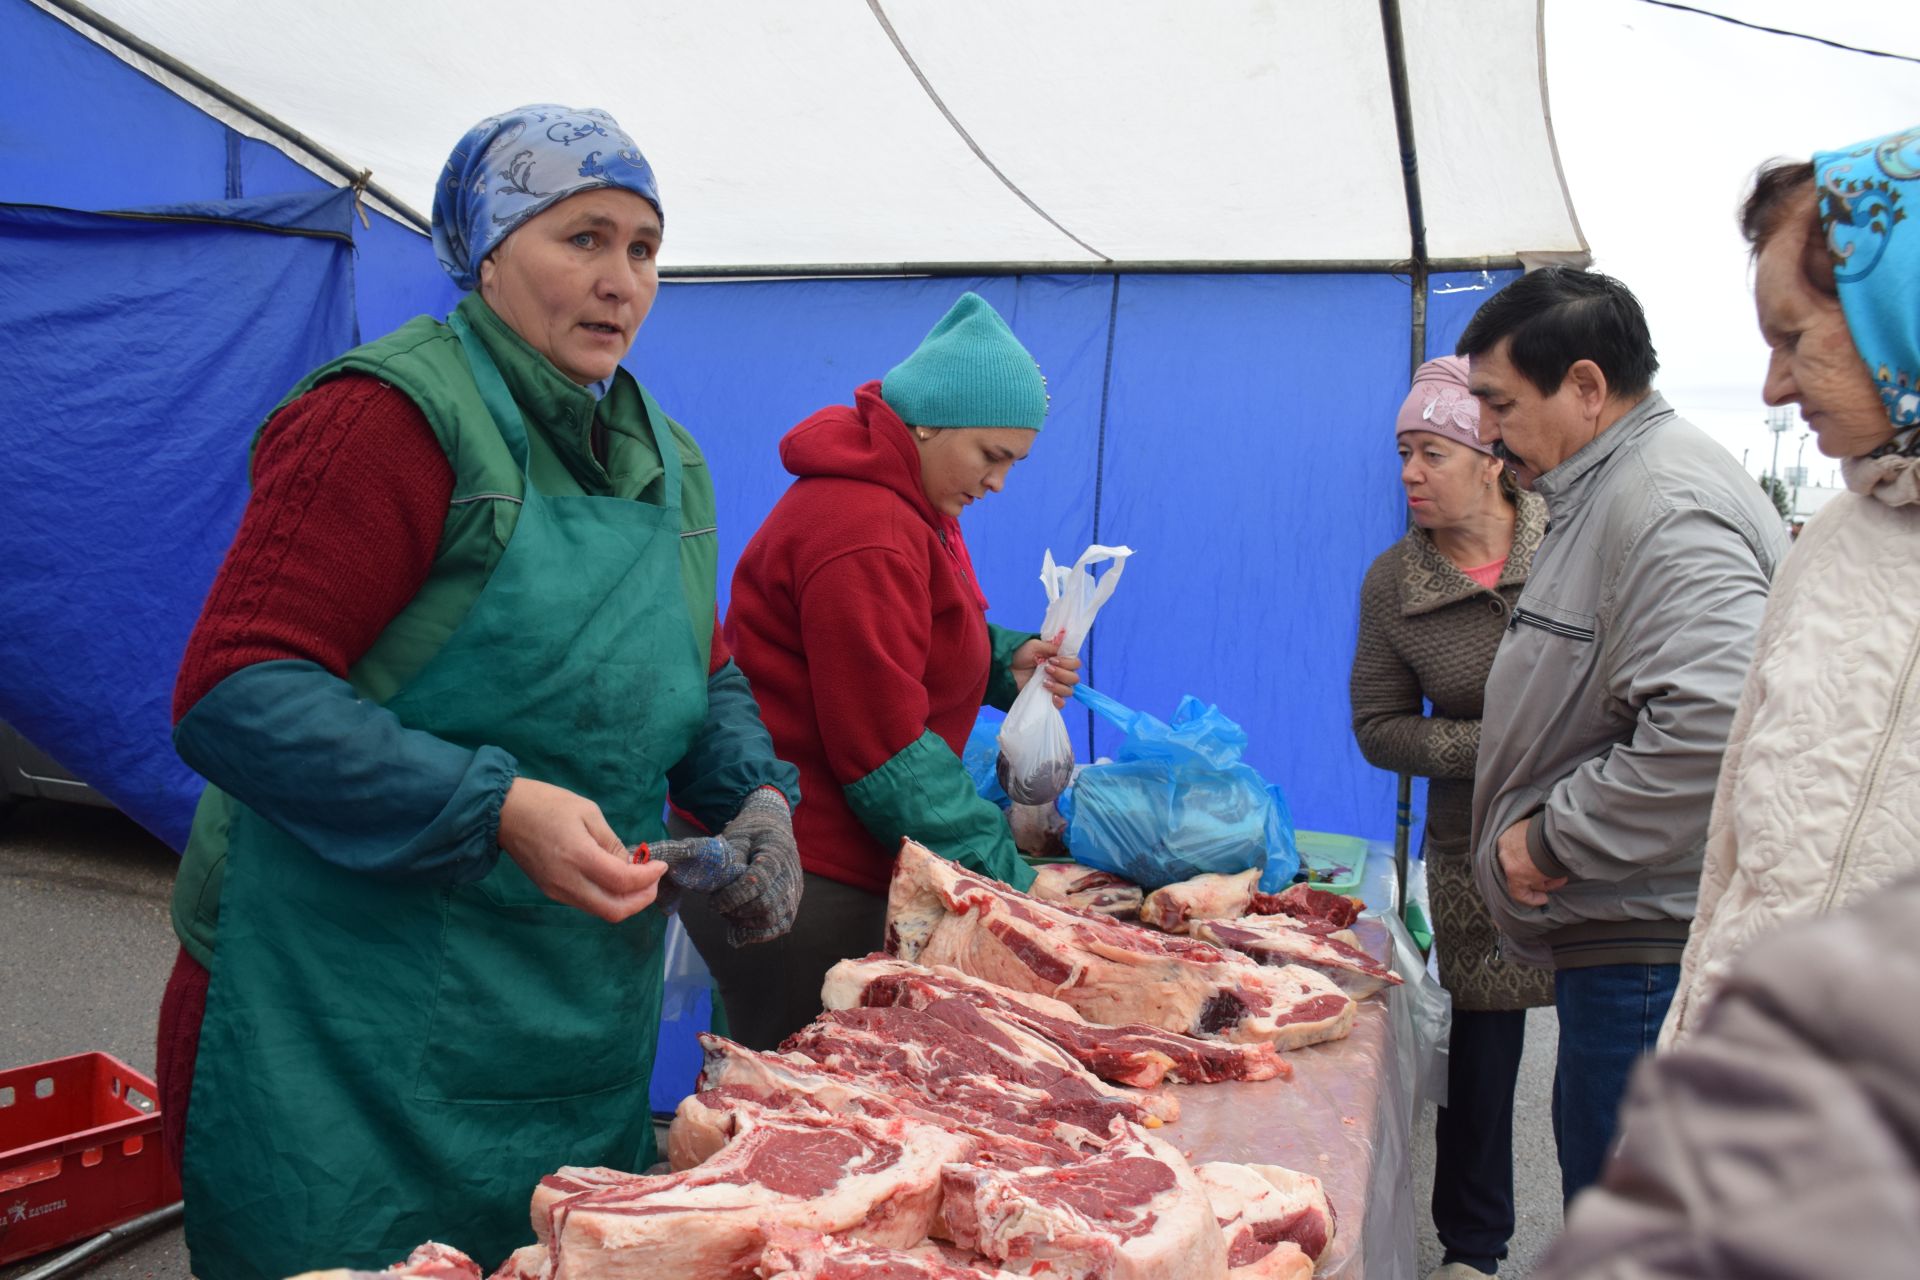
(731, 758)
(1001, 642)
(924, 793)
(343, 776)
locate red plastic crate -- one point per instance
(79, 1152)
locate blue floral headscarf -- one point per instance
(1869, 198)
(514, 165)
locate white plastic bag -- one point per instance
(1036, 755)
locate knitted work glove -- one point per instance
(762, 904)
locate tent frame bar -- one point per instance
(358, 178)
(1171, 266)
(1422, 267)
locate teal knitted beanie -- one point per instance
(969, 372)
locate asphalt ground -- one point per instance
(85, 948)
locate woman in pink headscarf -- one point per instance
(1432, 611)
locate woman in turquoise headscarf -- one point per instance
(1821, 783)
(469, 613)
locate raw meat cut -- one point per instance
(1284, 940)
(1282, 1261)
(708, 1120)
(1207, 897)
(1260, 1206)
(528, 1262)
(953, 1046)
(1110, 972)
(1136, 1055)
(430, 1261)
(1132, 1211)
(1073, 885)
(877, 1181)
(777, 1080)
(808, 1255)
(1304, 902)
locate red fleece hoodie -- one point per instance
(859, 622)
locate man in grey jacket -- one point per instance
(1609, 701)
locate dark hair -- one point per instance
(1558, 315)
(1783, 192)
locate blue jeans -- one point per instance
(1609, 1016)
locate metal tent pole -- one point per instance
(1417, 226)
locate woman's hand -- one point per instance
(563, 843)
(1060, 673)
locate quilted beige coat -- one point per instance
(1818, 803)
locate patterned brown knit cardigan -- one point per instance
(1428, 632)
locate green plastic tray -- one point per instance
(1339, 863)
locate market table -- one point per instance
(1347, 1114)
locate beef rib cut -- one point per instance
(1110, 972)
(877, 1181)
(430, 1261)
(808, 1255)
(1073, 885)
(1285, 941)
(1304, 902)
(792, 1080)
(1261, 1207)
(954, 1047)
(1134, 1211)
(1136, 1055)
(1205, 897)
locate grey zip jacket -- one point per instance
(1610, 698)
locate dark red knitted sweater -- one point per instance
(350, 492)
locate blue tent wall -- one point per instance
(86, 131)
(1240, 441)
(141, 354)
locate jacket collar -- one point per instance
(1891, 478)
(1560, 485)
(560, 408)
(1430, 581)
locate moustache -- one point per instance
(1503, 453)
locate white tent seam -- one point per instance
(934, 96)
(249, 122)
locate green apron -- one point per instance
(385, 1063)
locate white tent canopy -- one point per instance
(1071, 133)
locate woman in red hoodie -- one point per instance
(858, 621)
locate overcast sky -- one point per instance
(1662, 116)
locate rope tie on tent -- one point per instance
(360, 183)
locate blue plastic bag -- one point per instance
(1177, 802)
(982, 755)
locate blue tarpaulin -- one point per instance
(141, 353)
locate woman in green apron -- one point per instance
(461, 649)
